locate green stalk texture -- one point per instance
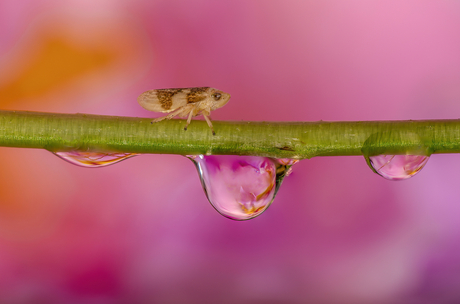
(299, 140)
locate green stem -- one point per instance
(83, 132)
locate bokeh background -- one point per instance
(142, 231)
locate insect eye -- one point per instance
(216, 96)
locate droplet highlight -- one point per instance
(92, 159)
(397, 167)
(240, 187)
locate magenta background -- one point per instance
(142, 231)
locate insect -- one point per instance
(184, 102)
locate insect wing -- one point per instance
(163, 100)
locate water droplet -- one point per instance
(397, 167)
(92, 159)
(240, 187)
(385, 158)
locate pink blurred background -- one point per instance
(142, 231)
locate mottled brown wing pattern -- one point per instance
(163, 100)
(197, 94)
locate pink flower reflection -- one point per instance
(397, 167)
(238, 187)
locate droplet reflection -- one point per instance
(397, 167)
(240, 187)
(92, 159)
(287, 164)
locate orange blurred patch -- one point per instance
(57, 57)
(57, 62)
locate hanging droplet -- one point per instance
(93, 159)
(240, 187)
(387, 160)
(397, 167)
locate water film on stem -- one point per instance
(93, 159)
(241, 187)
(391, 165)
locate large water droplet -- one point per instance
(397, 167)
(92, 159)
(241, 187)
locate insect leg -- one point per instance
(169, 116)
(209, 122)
(189, 119)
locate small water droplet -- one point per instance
(387, 160)
(240, 187)
(397, 167)
(93, 159)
